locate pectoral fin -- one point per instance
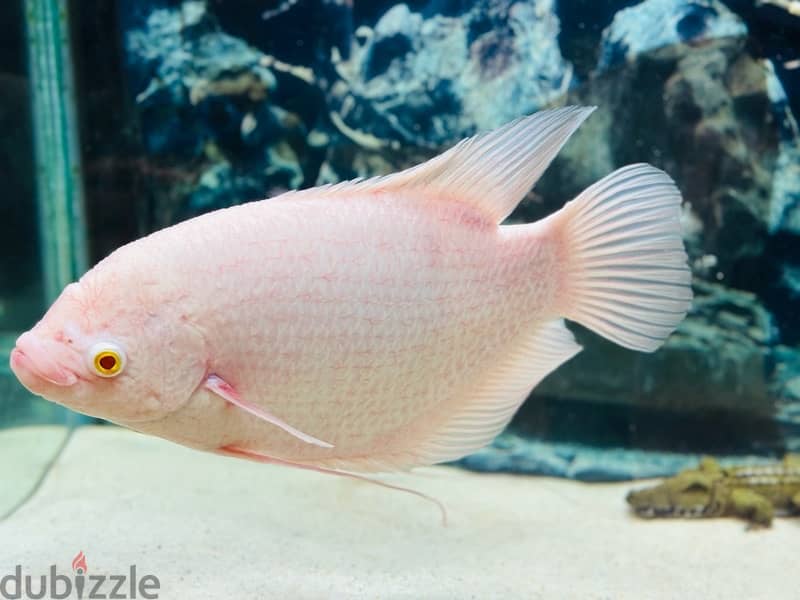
(224, 390)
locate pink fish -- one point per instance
(370, 325)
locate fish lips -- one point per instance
(36, 369)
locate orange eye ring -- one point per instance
(107, 360)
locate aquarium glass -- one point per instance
(32, 430)
(21, 293)
(183, 107)
(120, 118)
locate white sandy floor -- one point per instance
(25, 455)
(213, 527)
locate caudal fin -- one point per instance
(626, 273)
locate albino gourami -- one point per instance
(370, 325)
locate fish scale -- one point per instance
(362, 335)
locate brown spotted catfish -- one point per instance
(370, 325)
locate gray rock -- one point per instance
(206, 98)
(224, 184)
(718, 359)
(193, 83)
(784, 214)
(729, 136)
(656, 24)
(430, 81)
(512, 453)
(705, 116)
(785, 387)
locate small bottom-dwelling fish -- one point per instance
(753, 492)
(369, 325)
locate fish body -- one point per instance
(753, 492)
(372, 325)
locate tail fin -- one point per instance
(626, 274)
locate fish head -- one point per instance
(690, 493)
(115, 351)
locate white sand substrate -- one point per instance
(213, 527)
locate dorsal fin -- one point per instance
(492, 171)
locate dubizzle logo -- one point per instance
(79, 568)
(79, 563)
(57, 586)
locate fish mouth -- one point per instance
(32, 372)
(653, 512)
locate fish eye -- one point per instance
(106, 359)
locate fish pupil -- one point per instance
(108, 362)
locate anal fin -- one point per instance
(469, 422)
(486, 412)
